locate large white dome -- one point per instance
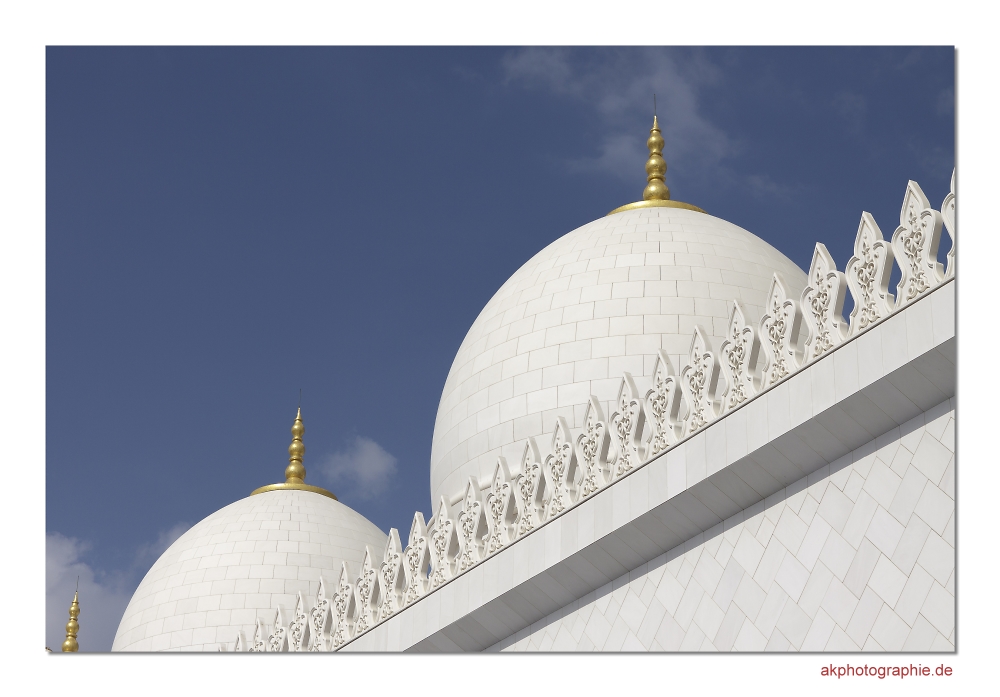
(598, 301)
(242, 560)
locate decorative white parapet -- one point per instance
(793, 333)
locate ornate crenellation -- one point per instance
(915, 245)
(443, 546)
(560, 470)
(740, 359)
(530, 490)
(868, 276)
(345, 609)
(416, 560)
(700, 381)
(779, 334)
(298, 630)
(391, 577)
(501, 509)
(515, 504)
(663, 404)
(626, 428)
(472, 528)
(593, 446)
(948, 215)
(320, 620)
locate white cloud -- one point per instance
(104, 595)
(363, 466)
(693, 144)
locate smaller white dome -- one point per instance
(240, 562)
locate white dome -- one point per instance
(240, 561)
(598, 301)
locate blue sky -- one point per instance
(227, 226)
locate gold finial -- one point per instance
(72, 627)
(656, 194)
(295, 473)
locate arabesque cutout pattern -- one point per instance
(793, 332)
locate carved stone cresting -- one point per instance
(298, 629)
(472, 527)
(626, 428)
(560, 470)
(868, 276)
(823, 305)
(443, 546)
(417, 560)
(320, 620)
(700, 381)
(241, 643)
(915, 245)
(501, 510)
(663, 403)
(345, 605)
(779, 334)
(391, 577)
(259, 643)
(367, 591)
(593, 447)
(739, 360)
(530, 490)
(277, 640)
(948, 216)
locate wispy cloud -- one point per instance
(594, 78)
(104, 594)
(363, 466)
(852, 108)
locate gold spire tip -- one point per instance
(295, 472)
(72, 627)
(657, 193)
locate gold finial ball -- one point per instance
(655, 141)
(295, 470)
(656, 190)
(656, 166)
(298, 429)
(297, 449)
(70, 645)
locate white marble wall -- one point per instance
(859, 555)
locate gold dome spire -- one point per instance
(72, 627)
(295, 473)
(656, 194)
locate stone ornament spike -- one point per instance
(344, 608)
(391, 577)
(241, 642)
(367, 589)
(739, 361)
(259, 643)
(530, 489)
(70, 644)
(298, 628)
(560, 471)
(501, 510)
(663, 405)
(417, 560)
(700, 381)
(822, 305)
(948, 217)
(626, 428)
(443, 546)
(593, 450)
(868, 276)
(277, 639)
(472, 527)
(779, 334)
(320, 620)
(915, 245)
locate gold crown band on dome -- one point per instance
(657, 193)
(295, 473)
